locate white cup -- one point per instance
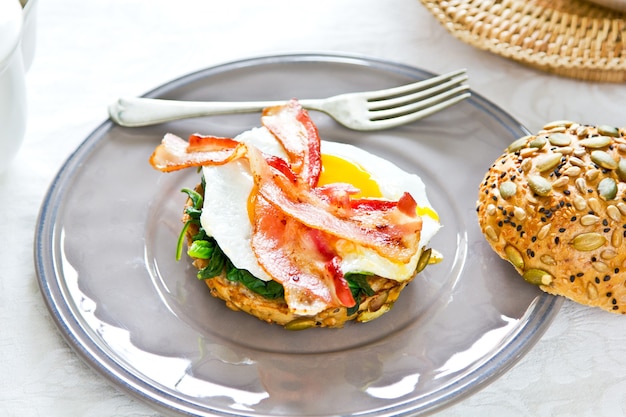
(29, 31)
(12, 83)
(17, 45)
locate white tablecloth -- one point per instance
(90, 52)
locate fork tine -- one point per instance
(423, 111)
(413, 106)
(413, 97)
(409, 88)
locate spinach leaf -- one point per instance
(201, 249)
(195, 210)
(360, 288)
(217, 259)
(181, 240)
(268, 289)
(196, 198)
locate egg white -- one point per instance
(225, 211)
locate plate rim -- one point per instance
(546, 307)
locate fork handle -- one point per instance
(139, 111)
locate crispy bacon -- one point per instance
(285, 253)
(300, 258)
(293, 128)
(201, 143)
(295, 223)
(175, 153)
(342, 289)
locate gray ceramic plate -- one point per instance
(105, 244)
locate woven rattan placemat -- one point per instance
(573, 38)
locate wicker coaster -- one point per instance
(572, 38)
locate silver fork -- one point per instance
(369, 110)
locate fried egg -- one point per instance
(225, 212)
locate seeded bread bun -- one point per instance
(554, 206)
(238, 297)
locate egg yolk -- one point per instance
(427, 211)
(336, 169)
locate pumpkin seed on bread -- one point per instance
(554, 206)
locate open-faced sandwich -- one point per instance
(554, 205)
(298, 231)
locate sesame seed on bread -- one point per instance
(554, 206)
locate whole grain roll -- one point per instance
(554, 206)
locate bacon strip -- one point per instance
(291, 126)
(175, 153)
(283, 249)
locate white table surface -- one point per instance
(90, 52)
